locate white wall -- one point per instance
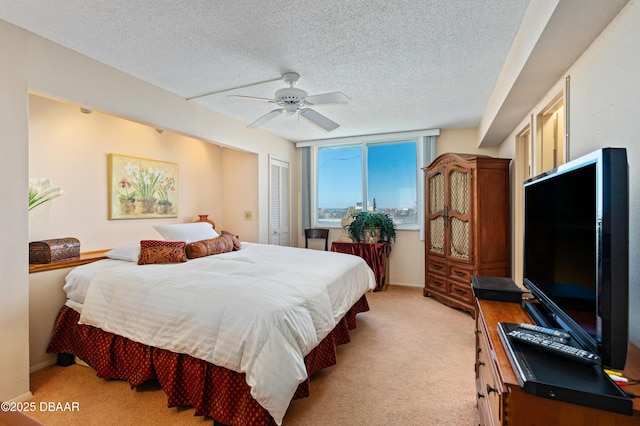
(14, 325)
(31, 64)
(240, 175)
(71, 149)
(604, 111)
(462, 141)
(45, 299)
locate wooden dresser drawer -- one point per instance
(437, 266)
(461, 292)
(437, 284)
(461, 273)
(488, 386)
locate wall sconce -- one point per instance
(85, 110)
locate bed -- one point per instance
(236, 335)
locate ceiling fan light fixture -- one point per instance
(291, 100)
(291, 108)
(290, 94)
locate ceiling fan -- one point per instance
(293, 100)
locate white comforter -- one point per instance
(259, 310)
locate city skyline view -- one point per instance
(391, 180)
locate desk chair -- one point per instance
(316, 233)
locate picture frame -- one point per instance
(141, 188)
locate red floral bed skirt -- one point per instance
(213, 391)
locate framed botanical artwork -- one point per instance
(140, 188)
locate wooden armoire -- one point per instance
(467, 225)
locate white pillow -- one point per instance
(187, 232)
(129, 252)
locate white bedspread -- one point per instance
(258, 311)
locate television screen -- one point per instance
(561, 244)
(576, 251)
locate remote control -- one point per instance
(566, 351)
(545, 330)
(549, 337)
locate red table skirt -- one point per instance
(213, 391)
(376, 255)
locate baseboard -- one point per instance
(408, 285)
(43, 364)
(23, 397)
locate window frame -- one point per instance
(365, 174)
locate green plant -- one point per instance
(370, 221)
(145, 182)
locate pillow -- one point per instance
(154, 251)
(187, 232)
(222, 244)
(129, 252)
(236, 242)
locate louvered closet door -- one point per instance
(279, 202)
(459, 200)
(436, 212)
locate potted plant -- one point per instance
(164, 204)
(128, 199)
(372, 227)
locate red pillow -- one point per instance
(155, 251)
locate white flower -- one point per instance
(42, 190)
(132, 169)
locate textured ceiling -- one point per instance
(406, 65)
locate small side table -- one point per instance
(376, 255)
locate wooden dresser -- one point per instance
(467, 225)
(501, 400)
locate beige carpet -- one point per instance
(410, 362)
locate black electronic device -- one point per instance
(547, 375)
(496, 288)
(576, 251)
(552, 345)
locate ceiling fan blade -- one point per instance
(327, 98)
(319, 119)
(252, 98)
(265, 118)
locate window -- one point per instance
(339, 182)
(369, 176)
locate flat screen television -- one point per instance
(576, 251)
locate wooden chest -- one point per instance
(54, 250)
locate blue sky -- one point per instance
(392, 175)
